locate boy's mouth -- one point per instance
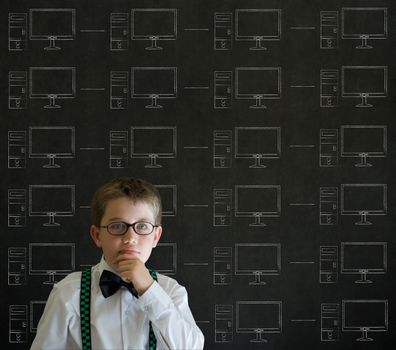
(130, 252)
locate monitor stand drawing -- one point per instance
(257, 220)
(259, 44)
(51, 162)
(364, 103)
(364, 336)
(52, 103)
(364, 45)
(51, 278)
(259, 337)
(363, 219)
(154, 44)
(52, 45)
(51, 221)
(258, 105)
(154, 102)
(363, 161)
(257, 162)
(257, 281)
(153, 162)
(363, 277)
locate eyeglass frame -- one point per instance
(128, 226)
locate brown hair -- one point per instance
(133, 188)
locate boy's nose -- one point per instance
(130, 236)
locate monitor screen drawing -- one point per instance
(363, 200)
(154, 25)
(153, 142)
(363, 258)
(168, 195)
(258, 317)
(163, 258)
(153, 83)
(36, 311)
(51, 201)
(257, 259)
(50, 259)
(52, 83)
(258, 25)
(52, 25)
(51, 142)
(364, 82)
(363, 141)
(258, 83)
(257, 143)
(364, 23)
(257, 201)
(364, 316)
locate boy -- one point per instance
(141, 313)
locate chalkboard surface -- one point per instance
(268, 128)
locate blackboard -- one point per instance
(267, 126)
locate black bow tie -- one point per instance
(110, 283)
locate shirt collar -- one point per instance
(103, 265)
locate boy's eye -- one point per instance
(141, 226)
(117, 226)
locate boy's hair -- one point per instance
(133, 188)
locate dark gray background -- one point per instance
(299, 115)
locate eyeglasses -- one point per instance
(119, 228)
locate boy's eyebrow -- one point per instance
(122, 219)
(116, 219)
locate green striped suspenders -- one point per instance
(85, 309)
(85, 312)
(152, 338)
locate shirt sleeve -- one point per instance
(53, 330)
(171, 317)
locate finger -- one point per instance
(128, 263)
(127, 268)
(126, 278)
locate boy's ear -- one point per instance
(95, 234)
(157, 235)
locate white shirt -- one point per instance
(120, 321)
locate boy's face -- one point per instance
(137, 246)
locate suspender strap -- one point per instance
(152, 338)
(85, 312)
(85, 309)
